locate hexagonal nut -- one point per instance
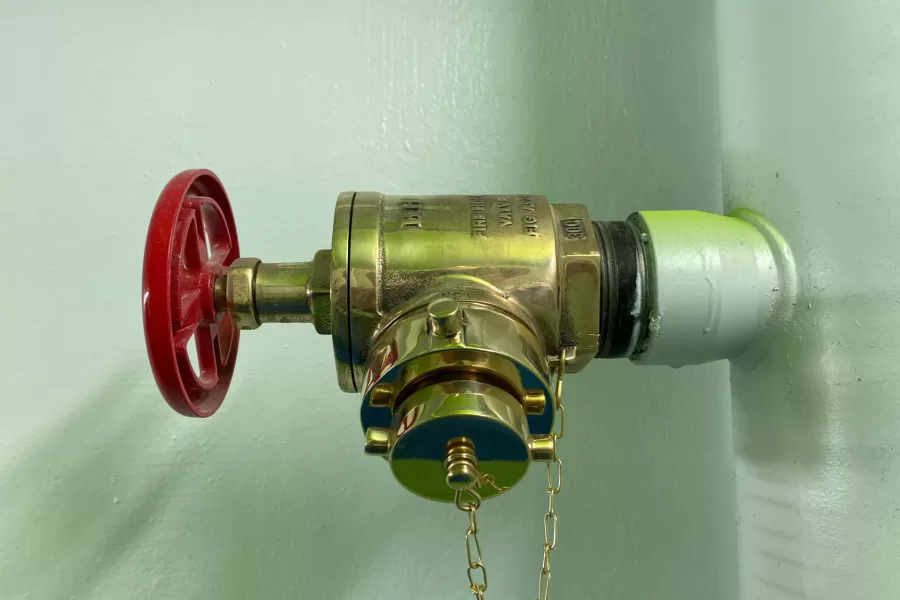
(318, 292)
(580, 276)
(240, 292)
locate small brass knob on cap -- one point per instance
(534, 402)
(445, 317)
(461, 464)
(381, 395)
(542, 448)
(378, 441)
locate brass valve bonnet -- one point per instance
(493, 345)
(433, 416)
(444, 369)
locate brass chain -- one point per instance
(554, 486)
(487, 479)
(476, 571)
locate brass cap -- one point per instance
(438, 428)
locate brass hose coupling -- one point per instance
(447, 313)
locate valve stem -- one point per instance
(461, 464)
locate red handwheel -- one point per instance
(191, 241)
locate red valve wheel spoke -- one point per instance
(226, 337)
(191, 241)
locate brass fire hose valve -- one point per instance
(449, 315)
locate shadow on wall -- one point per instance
(776, 418)
(626, 118)
(62, 500)
(626, 106)
(123, 484)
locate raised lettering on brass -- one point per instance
(479, 216)
(573, 229)
(504, 213)
(410, 214)
(529, 221)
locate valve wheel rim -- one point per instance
(180, 270)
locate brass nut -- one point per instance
(378, 441)
(318, 292)
(220, 287)
(542, 448)
(240, 292)
(534, 402)
(381, 395)
(581, 275)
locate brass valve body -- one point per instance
(443, 311)
(387, 250)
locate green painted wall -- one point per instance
(810, 104)
(107, 494)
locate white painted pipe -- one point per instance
(715, 283)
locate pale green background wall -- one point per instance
(105, 493)
(810, 105)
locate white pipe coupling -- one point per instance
(716, 284)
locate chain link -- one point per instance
(487, 479)
(469, 501)
(554, 486)
(476, 571)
